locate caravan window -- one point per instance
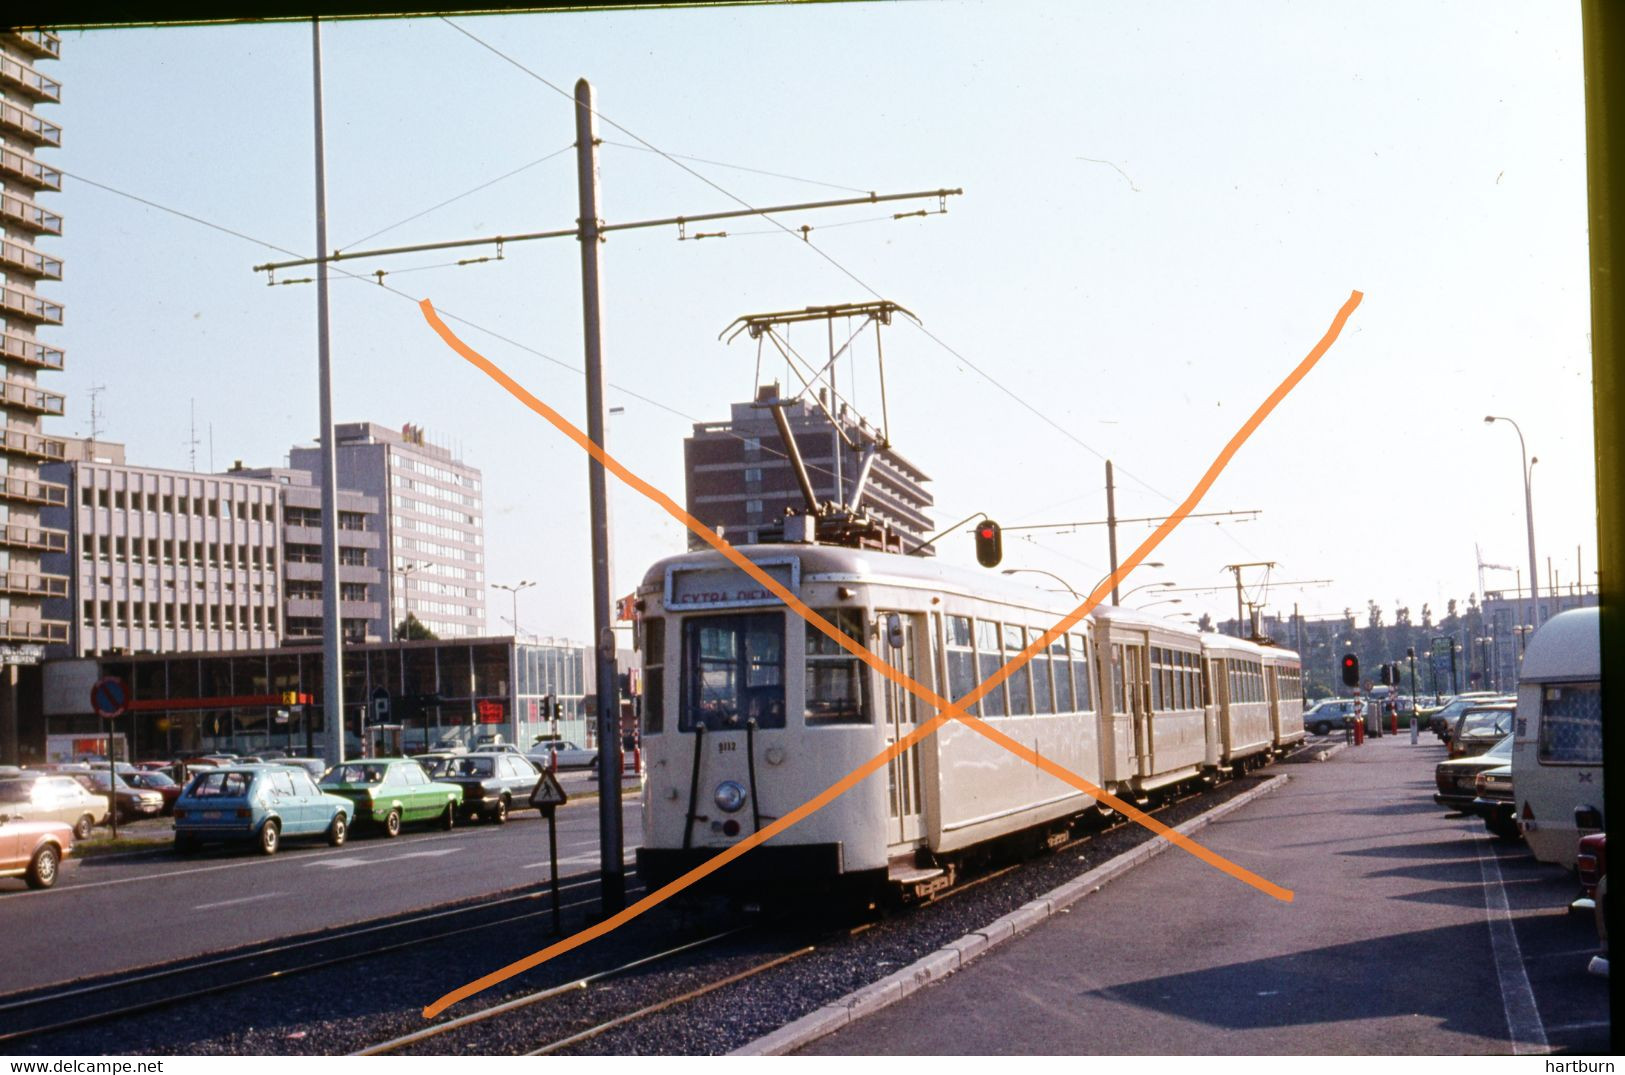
(1571, 724)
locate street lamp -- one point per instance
(1484, 642)
(406, 596)
(1144, 563)
(513, 591)
(1041, 571)
(1164, 601)
(1529, 514)
(1147, 586)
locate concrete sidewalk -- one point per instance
(1386, 948)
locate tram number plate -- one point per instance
(725, 745)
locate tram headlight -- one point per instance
(730, 796)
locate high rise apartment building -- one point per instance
(24, 540)
(433, 516)
(739, 477)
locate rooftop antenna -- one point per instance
(95, 394)
(191, 441)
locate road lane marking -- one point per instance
(1517, 998)
(345, 864)
(240, 899)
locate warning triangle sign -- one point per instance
(548, 791)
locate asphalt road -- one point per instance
(112, 913)
(1411, 932)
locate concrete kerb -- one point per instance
(957, 954)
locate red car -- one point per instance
(155, 781)
(33, 850)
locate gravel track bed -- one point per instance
(351, 1006)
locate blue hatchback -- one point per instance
(258, 803)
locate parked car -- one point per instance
(155, 781)
(314, 766)
(1443, 719)
(570, 756)
(1329, 714)
(47, 797)
(1480, 727)
(130, 802)
(389, 792)
(1494, 803)
(1456, 778)
(492, 783)
(33, 850)
(258, 803)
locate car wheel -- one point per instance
(84, 827)
(449, 818)
(392, 823)
(1321, 728)
(500, 814)
(270, 837)
(42, 869)
(338, 830)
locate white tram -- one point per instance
(748, 712)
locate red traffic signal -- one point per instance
(1351, 670)
(989, 543)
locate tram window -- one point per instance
(1119, 705)
(1083, 701)
(961, 660)
(654, 675)
(1156, 677)
(733, 671)
(989, 657)
(837, 682)
(1043, 668)
(1020, 681)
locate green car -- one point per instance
(392, 791)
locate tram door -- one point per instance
(898, 638)
(1137, 684)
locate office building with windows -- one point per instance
(433, 524)
(738, 476)
(161, 560)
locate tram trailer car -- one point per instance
(749, 712)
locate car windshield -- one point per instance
(355, 774)
(16, 791)
(221, 785)
(473, 767)
(1503, 749)
(1490, 722)
(436, 766)
(153, 780)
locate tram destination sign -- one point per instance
(727, 587)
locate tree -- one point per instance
(411, 629)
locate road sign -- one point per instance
(380, 705)
(109, 697)
(548, 792)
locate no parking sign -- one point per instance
(109, 697)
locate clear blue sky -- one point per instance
(1264, 160)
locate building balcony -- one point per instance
(22, 213)
(33, 491)
(13, 629)
(27, 397)
(29, 584)
(16, 303)
(28, 171)
(29, 82)
(18, 536)
(32, 445)
(30, 352)
(42, 44)
(17, 258)
(23, 124)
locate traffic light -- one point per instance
(1351, 670)
(989, 543)
(558, 710)
(1386, 676)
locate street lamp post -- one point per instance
(513, 591)
(1041, 571)
(1147, 586)
(1164, 601)
(406, 596)
(1529, 515)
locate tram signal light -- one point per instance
(1385, 675)
(1351, 670)
(989, 543)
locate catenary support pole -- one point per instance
(612, 871)
(332, 625)
(1111, 525)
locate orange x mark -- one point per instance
(946, 710)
